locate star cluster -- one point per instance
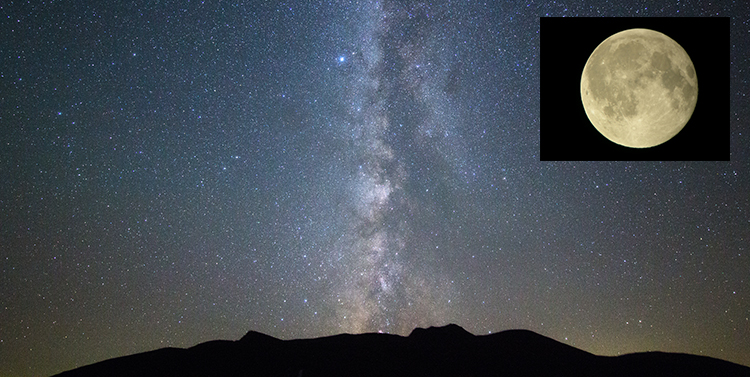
(179, 172)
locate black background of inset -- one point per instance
(566, 134)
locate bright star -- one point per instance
(341, 59)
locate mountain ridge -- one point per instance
(436, 351)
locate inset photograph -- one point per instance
(634, 89)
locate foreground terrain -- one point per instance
(443, 351)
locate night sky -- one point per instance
(186, 171)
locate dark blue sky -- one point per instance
(188, 171)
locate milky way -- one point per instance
(377, 290)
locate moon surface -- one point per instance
(639, 88)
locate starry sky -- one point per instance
(177, 172)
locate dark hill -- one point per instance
(437, 351)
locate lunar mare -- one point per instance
(639, 88)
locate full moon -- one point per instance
(639, 88)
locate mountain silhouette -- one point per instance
(436, 351)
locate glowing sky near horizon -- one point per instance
(182, 172)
